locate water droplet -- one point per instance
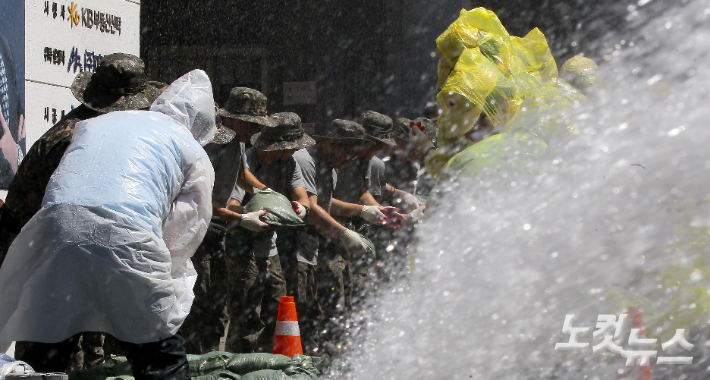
(696, 275)
(654, 79)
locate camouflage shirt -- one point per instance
(24, 196)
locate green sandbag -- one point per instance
(279, 210)
(222, 374)
(246, 363)
(266, 374)
(207, 363)
(371, 252)
(302, 365)
(273, 374)
(422, 198)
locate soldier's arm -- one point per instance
(368, 199)
(300, 195)
(328, 227)
(340, 208)
(236, 206)
(225, 213)
(247, 181)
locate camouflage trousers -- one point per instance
(207, 322)
(334, 275)
(256, 286)
(87, 351)
(302, 284)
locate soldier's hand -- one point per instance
(353, 244)
(419, 138)
(374, 215)
(394, 219)
(418, 214)
(252, 221)
(410, 202)
(299, 209)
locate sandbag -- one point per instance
(307, 366)
(208, 363)
(245, 363)
(279, 210)
(219, 365)
(273, 374)
(266, 374)
(222, 374)
(370, 253)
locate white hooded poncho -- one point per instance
(123, 213)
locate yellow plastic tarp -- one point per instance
(485, 71)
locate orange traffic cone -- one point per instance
(635, 373)
(287, 339)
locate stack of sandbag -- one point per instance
(218, 365)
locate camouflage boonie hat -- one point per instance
(345, 132)
(223, 134)
(378, 127)
(431, 111)
(401, 129)
(287, 134)
(119, 84)
(247, 104)
(580, 72)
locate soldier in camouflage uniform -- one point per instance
(243, 115)
(119, 84)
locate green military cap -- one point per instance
(247, 104)
(223, 135)
(287, 134)
(378, 127)
(580, 72)
(118, 84)
(345, 132)
(401, 129)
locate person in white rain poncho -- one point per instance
(110, 249)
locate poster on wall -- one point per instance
(12, 89)
(45, 44)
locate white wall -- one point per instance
(47, 84)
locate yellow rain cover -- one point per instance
(475, 85)
(482, 69)
(477, 28)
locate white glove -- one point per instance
(418, 214)
(410, 202)
(372, 214)
(418, 138)
(252, 221)
(299, 209)
(353, 244)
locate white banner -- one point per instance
(63, 39)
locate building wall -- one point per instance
(366, 54)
